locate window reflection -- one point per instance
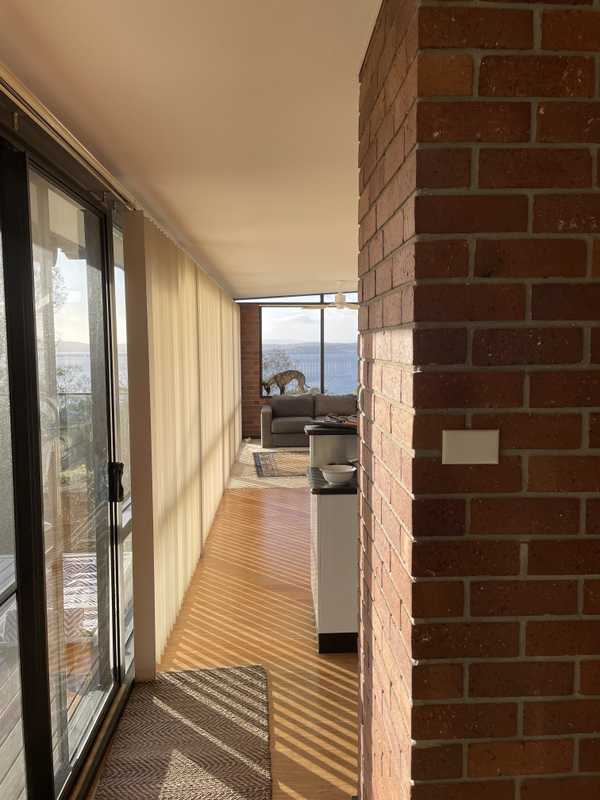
(7, 532)
(12, 763)
(126, 551)
(123, 377)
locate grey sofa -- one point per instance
(282, 421)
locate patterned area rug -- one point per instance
(193, 735)
(282, 464)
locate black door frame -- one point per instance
(25, 430)
(16, 159)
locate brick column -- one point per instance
(480, 305)
(388, 166)
(250, 357)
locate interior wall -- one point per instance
(230, 340)
(387, 186)
(250, 339)
(480, 294)
(190, 413)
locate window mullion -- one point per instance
(322, 349)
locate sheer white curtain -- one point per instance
(194, 368)
(211, 398)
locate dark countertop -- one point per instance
(318, 484)
(319, 429)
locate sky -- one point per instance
(71, 322)
(71, 314)
(286, 325)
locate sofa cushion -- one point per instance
(334, 404)
(290, 424)
(300, 405)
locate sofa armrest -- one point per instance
(266, 417)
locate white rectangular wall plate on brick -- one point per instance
(470, 447)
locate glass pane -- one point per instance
(291, 350)
(12, 761)
(341, 359)
(7, 532)
(67, 257)
(126, 552)
(123, 380)
(127, 600)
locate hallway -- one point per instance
(249, 602)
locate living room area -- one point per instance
(299, 367)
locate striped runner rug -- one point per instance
(192, 735)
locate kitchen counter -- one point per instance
(323, 429)
(331, 444)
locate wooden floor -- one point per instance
(249, 603)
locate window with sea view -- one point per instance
(318, 343)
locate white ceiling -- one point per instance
(234, 122)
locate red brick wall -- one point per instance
(250, 350)
(480, 292)
(388, 165)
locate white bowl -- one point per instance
(338, 474)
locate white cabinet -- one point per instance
(334, 569)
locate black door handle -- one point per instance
(116, 492)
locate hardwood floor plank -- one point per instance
(249, 602)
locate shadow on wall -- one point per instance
(368, 557)
(169, 513)
(207, 480)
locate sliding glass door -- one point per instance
(66, 617)
(72, 385)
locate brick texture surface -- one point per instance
(250, 352)
(479, 272)
(391, 79)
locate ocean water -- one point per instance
(341, 364)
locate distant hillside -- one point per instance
(306, 347)
(82, 347)
(72, 347)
